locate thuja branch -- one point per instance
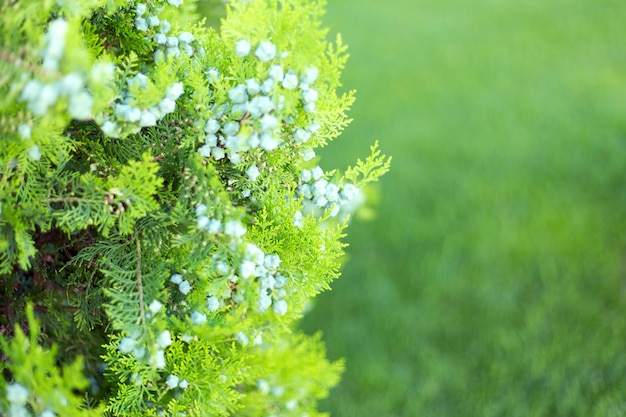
(71, 200)
(18, 61)
(211, 230)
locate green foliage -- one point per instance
(34, 368)
(161, 209)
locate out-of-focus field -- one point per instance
(492, 282)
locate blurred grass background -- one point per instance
(491, 282)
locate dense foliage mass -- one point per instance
(163, 219)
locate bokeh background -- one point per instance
(492, 280)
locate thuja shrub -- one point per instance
(164, 222)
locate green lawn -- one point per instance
(491, 282)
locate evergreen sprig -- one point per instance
(161, 208)
(38, 383)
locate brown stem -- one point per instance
(140, 282)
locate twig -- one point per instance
(140, 282)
